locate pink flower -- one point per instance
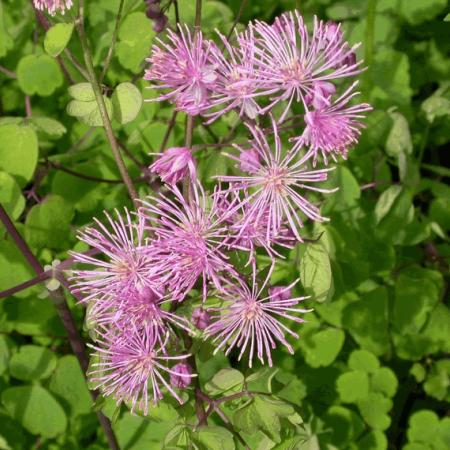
(237, 82)
(181, 377)
(124, 266)
(175, 164)
(53, 6)
(188, 241)
(131, 367)
(249, 161)
(277, 189)
(182, 66)
(291, 61)
(332, 129)
(249, 320)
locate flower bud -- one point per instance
(154, 11)
(249, 161)
(181, 375)
(201, 318)
(174, 164)
(160, 23)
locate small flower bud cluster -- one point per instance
(154, 12)
(178, 248)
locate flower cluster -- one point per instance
(53, 6)
(177, 265)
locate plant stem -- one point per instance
(237, 18)
(113, 41)
(168, 131)
(102, 107)
(7, 72)
(59, 300)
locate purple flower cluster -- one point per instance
(282, 61)
(169, 269)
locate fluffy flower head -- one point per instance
(250, 321)
(182, 66)
(131, 367)
(279, 185)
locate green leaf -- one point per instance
(19, 151)
(127, 102)
(48, 223)
(39, 75)
(14, 268)
(57, 37)
(34, 316)
(51, 127)
(374, 409)
(383, 380)
(261, 380)
(36, 409)
(6, 42)
(6, 344)
(399, 139)
(11, 196)
(363, 360)
(417, 291)
(437, 384)
(137, 433)
(68, 383)
(88, 112)
(353, 386)
(418, 11)
(84, 92)
(315, 271)
(214, 438)
(374, 440)
(345, 426)
(32, 363)
(389, 76)
(225, 381)
(423, 426)
(134, 43)
(321, 348)
(436, 106)
(367, 321)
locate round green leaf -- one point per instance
(363, 360)
(353, 386)
(36, 409)
(57, 38)
(322, 348)
(127, 102)
(384, 381)
(68, 383)
(11, 196)
(374, 440)
(39, 75)
(374, 409)
(423, 426)
(84, 92)
(344, 424)
(48, 223)
(18, 151)
(32, 362)
(135, 38)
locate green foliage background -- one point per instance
(371, 369)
